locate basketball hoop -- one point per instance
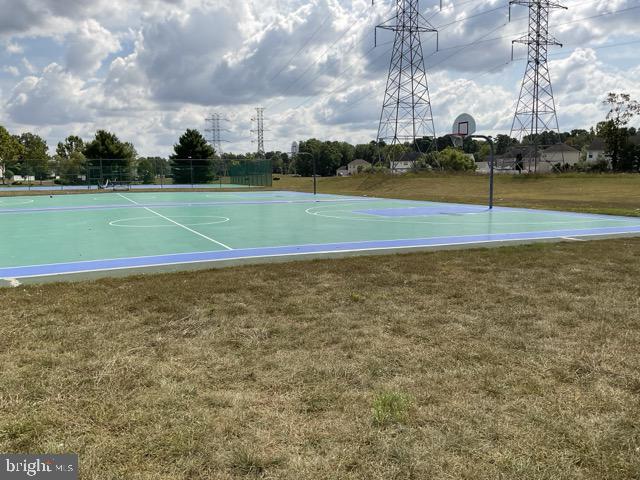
(464, 126)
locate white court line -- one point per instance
(325, 214)
(573, 239)
(477, 244)
(178, 224)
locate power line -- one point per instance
(304, 45)
(348, 81)
(354, 103)
(319, 58)
(478, 41)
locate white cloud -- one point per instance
(88, 46)
(14, 48)
(26, 64)
(11, 70)
(55, 97)
(149, 69)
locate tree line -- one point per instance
(195, 160)
(103, 157)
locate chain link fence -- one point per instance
(147, 172)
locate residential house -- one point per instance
(553, 156)
(357, 166)
(596, 150)
(405, 163)
(522, 158)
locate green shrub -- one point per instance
(376, 168)
(454, 160)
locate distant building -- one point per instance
(554, 155)
(515, 158)
(597, 149)
(357, 166)
(405, 163)
(24, 178)
(521, 158)
(342, 172)
(401, 166)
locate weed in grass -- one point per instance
(246, 462)
(391, 408)
(356, 298)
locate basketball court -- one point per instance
(88, 235)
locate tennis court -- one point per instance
(82, 234)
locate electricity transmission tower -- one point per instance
(259, 131)
(214, 128)
(406, 110)
(536, 108)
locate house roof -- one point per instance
(409, 157)
(597, 144)
(357, 162)
(527, 150)
(561, 147)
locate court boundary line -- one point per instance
(359, 242)
(240, 256)
(80, 208)
(479, 240)
(179, 224)
(381, 218)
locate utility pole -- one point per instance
(259, 130)
(214, 128)
(536, 108)
(406, 109)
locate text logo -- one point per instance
(38, 467)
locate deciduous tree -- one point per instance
(622, 109)
(34, 159)
(10, 151)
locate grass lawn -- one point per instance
(611, 194)
(510, 363)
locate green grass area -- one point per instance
(513, 363)
(504, 363)
(590, 193)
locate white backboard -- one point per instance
(464, 125)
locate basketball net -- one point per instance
(457, 140)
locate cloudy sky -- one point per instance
(148, 70)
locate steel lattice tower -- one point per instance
(215, 130)
(536, 109)
(259, 131)
(406, 109)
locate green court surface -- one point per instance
(45, 236)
